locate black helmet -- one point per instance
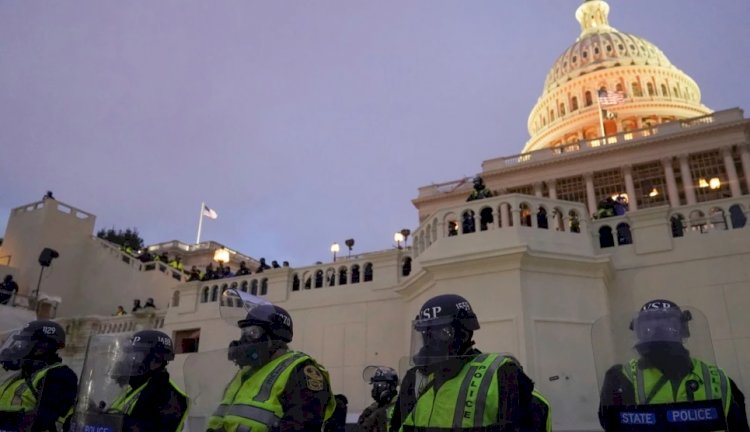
(384, 374)
(446, 309)
(44, 330)
(275, 320)
(155, 342)
(661, 321)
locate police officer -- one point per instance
(150, 400)
(454, 386)
(666, 369)
(377, 417)
(41, 392)
(275, 388)
(541, 410)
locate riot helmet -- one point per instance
(660, 328)
(37, 340)
(266, 329)
(443, 328)
(384, 381)
(147, 351)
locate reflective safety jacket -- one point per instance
(127, 401)
(251, 400)
(467, 401)
(21, 395)
(652, 387)
(541, 407)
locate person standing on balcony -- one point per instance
(41, 393)
(243, 270)
(176, 263)
(120, 311)
(8, 289)
(195, 274)
(136, 305)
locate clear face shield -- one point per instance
(432, 340)
(253, 346)
(382, 391)
(14, 350)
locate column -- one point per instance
(590, 193)
(734, 184)
(505, 215)
(672, 192)
(552, 185)
(627, 171)
(687, 180)
(745, 155)
(538, 189)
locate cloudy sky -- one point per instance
(301, 123)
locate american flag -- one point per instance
(610, 97)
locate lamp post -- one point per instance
(334, 249)
(405, 232)
(350, 244)
(398, 238)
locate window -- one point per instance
(254, 287)
(664, 91)
(704, 167)
(678, 225)
(406, 266)
(574, 103)
(636, 89)
(355, 273)
(186, 341)
(368, 272)
(468, 222)
(608, 183)
(175, 299)
(295, 282)
(589, 99)
(562, 109)
(541, 218)
(264, 286)
(204, 295)
(650, 88)
(572, 189)
(215, 293)
(342, 276)
(650, 185)
(525, 215)
(605, 237)
(737, 216)
(623, 234)
(485, 218)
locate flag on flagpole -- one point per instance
(607, 97)
(209, 213)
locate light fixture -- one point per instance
(624, 196)
(398, 238)
(653, 193)
(714, 183)
(702, 183)
(221, 256)
(334, 249)
(350, 244)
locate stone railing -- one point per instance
(501, 212)
(710, 216)
(730, 115)
(137, 265)
(611, 231)
(79, 329)
(62, 208)
(202, 246)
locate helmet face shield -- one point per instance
(130, 362)
(431, 343)
(659, 326)
(16, 347)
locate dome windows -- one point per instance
(585, 54)
(575, 59)
(620, 47)
(609, 48)
(589, 99)
(596, 50)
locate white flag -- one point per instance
(207, 212)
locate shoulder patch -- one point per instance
(314, 378)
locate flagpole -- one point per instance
(601, 116)
(200, 224)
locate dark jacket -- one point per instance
(159, 407)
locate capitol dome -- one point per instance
(653, 90)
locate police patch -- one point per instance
(313, 378)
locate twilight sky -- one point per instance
(301, 123)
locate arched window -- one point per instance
(452, 228)
(355, 273)
(737, 216)
(718, 220)
(244, 285)
(636, 89)
(215, 293)
(468, 222)
(557, 216)
(562, 109)
(574, 222)
(406, 266)
(264, 286)
(676, 92)
(204, 295)
(551, 116)
(254, 287)
(606, 240)
(618, 87)
(623, 234)
(485, 218)
(368, 272)
(308, 281)
(343, 275)
(295, 282)
(664, 91)
(698, 221)
(175, 298)
(574, 103)
(525, 215)
(541, 218)
(331, 277)
(678, 225)
(589, 99)
(650, 88)
(318, 278)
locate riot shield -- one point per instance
(103, 381)
(235, 304)
(207, 375)
(650, 371)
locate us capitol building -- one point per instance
(536, 266)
